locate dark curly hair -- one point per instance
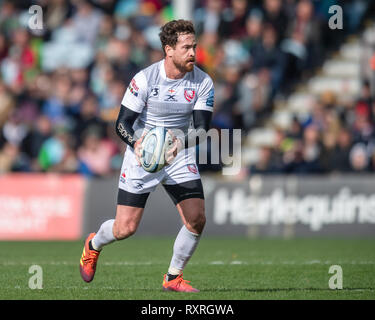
(171, 30)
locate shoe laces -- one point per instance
(90, 257)
(181, 281)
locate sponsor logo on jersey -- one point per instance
(170, 97)
(171, 90)
(133, 88)
(192, 168)
(189, 94)
(210, 99)
(155, 92)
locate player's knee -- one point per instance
(197, 224)
(131, 229)
(201, 223)
(124, 231)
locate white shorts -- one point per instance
(134, 179)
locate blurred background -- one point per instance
(301, 93)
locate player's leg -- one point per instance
(123, 226)
(193, 217)
(128, 215)
(135, 185)
(189, 200)
(129, 212)
(192, 213)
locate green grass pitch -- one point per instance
(222, 268)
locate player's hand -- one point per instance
(138, 149)
(174, 149)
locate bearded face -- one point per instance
(183, 54)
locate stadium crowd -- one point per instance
(61, 87)
(335, 137)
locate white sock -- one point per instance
(104, 235)
(184, 247)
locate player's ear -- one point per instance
(168, 50)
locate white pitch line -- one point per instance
(216, 262)
(67, 288)
(124, 289)
(69, 263)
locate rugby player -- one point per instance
(176, 94)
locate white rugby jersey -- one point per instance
(168, 102)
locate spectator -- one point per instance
(295, 130)
(275, 16)
(3, 47)
(56, 12)
(8, 17)
(363, 130)
(95, 154)
(207, 18)
(33, 142)
(226, 96)
(341, 156)
(207, 53)
(55, 150)
(266, 55)
(254, 93)
(6, 104)
(254, 25)
(358, 158)
(233, 20)
(14, 130)
(88, 118)
(327, 156)
(86, 21)
(311, 149)
(263, 166)
(12, 159)
(372, 162)
(301, 43)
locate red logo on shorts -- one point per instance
(189, 94)
(192, 168)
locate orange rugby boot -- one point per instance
(89, 258)
(178, 284)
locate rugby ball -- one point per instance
(153, 147)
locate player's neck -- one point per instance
(171, 71)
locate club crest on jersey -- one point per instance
(189, 94)
(192, 168)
